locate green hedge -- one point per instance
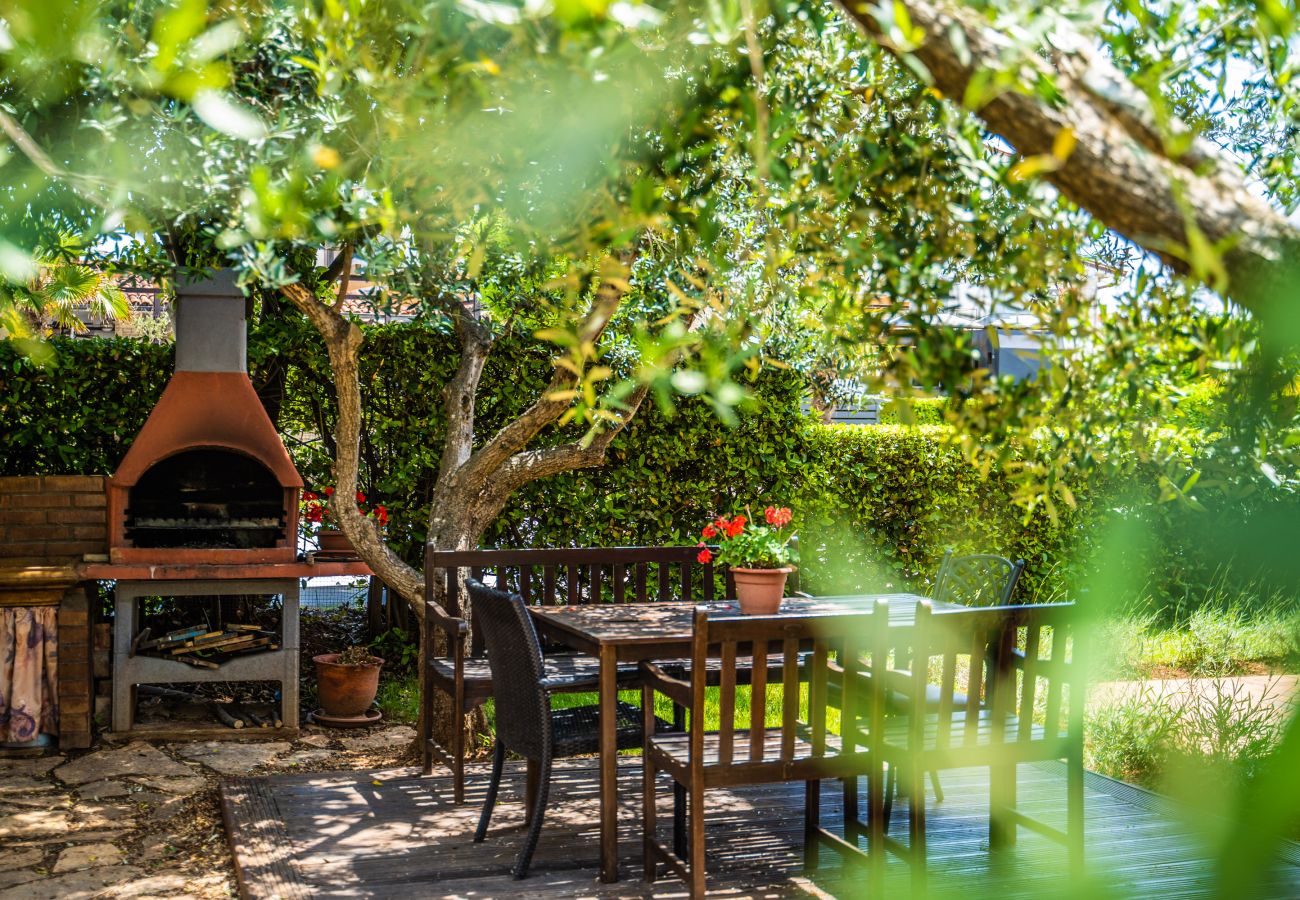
(80, 414)
(922, 411)
(876, 505)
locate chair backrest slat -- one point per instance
(1029, 682)
(947, 689)
(620, 583)
(597, 576)
(758, 701)
(817, 695)
(727, 703)
(1056, 683)
(548, 586)
(975, 682)
(790, 700)
(641, 582)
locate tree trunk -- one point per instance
(1120, 169)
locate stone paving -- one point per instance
(141, 820)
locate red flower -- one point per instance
(778, 517)
(710, 531)
(315, 513)
(329, 492)
(704, 556)
(361, 498)
(309, 495)
(381, 514)
(736, 526)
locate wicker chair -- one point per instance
(525, 723)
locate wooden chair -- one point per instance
(1022, 662)
(974, 579)
(525, 722)
(800, 749)
(546, 576)
(459, 669)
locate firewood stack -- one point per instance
(205, 648)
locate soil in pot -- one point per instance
(345, 690)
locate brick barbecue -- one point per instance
(202, 510)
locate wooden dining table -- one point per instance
(636, 632)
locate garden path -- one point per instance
(142, 820)
(1280, 691)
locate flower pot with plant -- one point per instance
(347, 682)
(759, 555)
(320, 519)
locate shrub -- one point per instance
(1205, 733)
(919, 411)
(1131, 739)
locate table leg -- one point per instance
(608, 764)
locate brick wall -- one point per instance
(52, 518)
(53, 521)
(76, 672)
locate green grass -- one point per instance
(1219, 632)
(399, 698)
(712, 706)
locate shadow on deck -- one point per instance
(392, 834)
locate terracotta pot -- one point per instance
(759, 591)
(332, 540)
(345, 690)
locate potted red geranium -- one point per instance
(759, 556)
(319, 509)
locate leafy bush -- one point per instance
(1131, 739)
(79, 414)
(877, 505)
(920, 411)
(1211, 731)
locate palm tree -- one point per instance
(60, 286)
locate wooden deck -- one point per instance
(393, 834)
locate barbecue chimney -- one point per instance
(207, 480)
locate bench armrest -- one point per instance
(656, 679)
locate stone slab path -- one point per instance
(142, 820)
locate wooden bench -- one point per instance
(547, 576)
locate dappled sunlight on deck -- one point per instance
(396, 834)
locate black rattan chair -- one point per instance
(525, 723)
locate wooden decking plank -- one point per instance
(343, 835)
(262, 851)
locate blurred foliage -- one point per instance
(810, 193)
